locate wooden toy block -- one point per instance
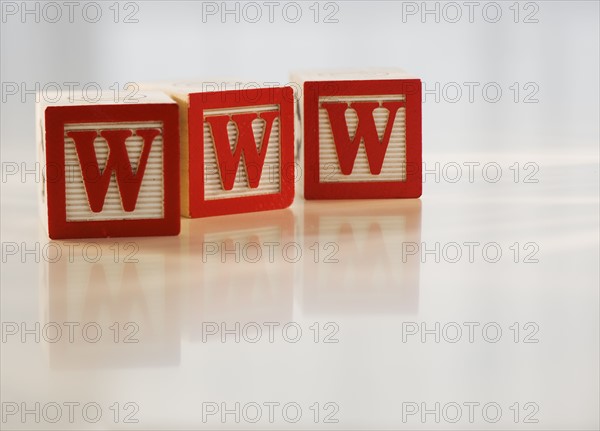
(112, 168)
(361, 134)
(237, 147)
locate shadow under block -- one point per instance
(111, 168)
(361, 134)
(237, 148)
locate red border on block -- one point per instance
(282, 96)
(411, 188)
(57, 117)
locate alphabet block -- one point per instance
(237, 147)
(112, 168)
(361, 134)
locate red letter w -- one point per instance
(228, 158)
(96, 182)
(365, 130)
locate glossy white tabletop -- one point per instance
(376, 310)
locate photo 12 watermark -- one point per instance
(268, 412)
(471, 332)
(69, 412)
(269, 252)
(469, 412)
(478, 92)
(451, 12)
(485, 171)
(270, 332)
(70, 332)
(253, 12)
(69, 251)
(470, 252)
(53, 12)
(71, 92)
(455, 171)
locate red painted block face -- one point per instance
(112, 170)
(241, 151)
(362, 139)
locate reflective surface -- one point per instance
(365, 308)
